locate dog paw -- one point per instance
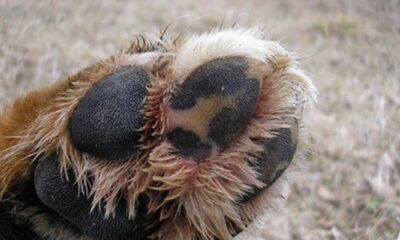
(181, 140)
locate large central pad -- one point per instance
(213, 105)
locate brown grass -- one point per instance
(351, 187)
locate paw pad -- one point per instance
(212, 107)
(106, 120)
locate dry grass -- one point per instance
(351, 189)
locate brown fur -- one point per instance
(15, 120)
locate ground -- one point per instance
(350, 188)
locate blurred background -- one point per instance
(351, 49)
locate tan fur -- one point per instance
(48, 225)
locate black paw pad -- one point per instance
(276, 157)
(214, 104)
(106, 120)
(61, 196)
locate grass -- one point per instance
(351, 188)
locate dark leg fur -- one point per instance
(11, 227)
